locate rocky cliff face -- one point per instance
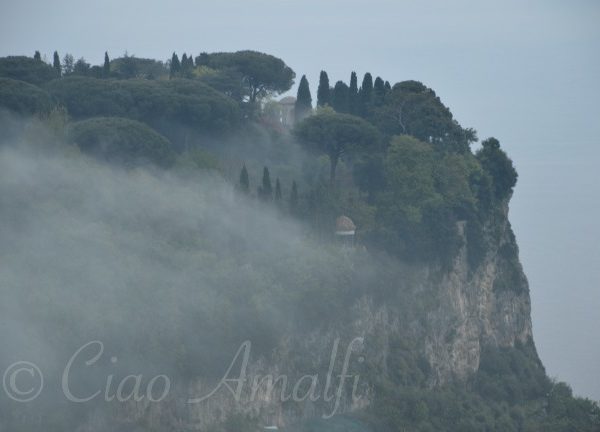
(468, 309)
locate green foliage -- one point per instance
(510, 392)
(23, 98)
(56, 64)
(413, 109)
(227, 81)
(366, 95)
(26, 69)
(303, 100)
(265, 191)
(262, 74)
(129, 66)
(123, 141)
(323, 96)
(337, 135)
(340, 97)
(422, 196)
(106, 66)
(170, 106)
(499, 167)
(81, 67)
(68, 64)
(379, 92)
(244, 180)
(353, 95)
(174, 67)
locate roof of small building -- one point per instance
(344, 223)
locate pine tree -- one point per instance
(266, 190)
(244, 180)
(277, 191)
(323, 96)
(37, 56)
(56, 64)
(294, 198)
(303, 100)
(175, 66)
(106, 67)
(353, 94)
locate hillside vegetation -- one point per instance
(233, 222)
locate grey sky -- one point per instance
(525, 72)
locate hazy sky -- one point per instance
(528, 74)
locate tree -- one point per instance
(81, 67)
(175, 66)
(277, 191)
(337, 135)
(24, 98)
(378, 91)
(68, 64)
(37, 56)
(187, 65)
(244, 180)
(303, 100)
(106, 67)
(56, 64)
(265, 191)
(339, 97)
(498, 165)
(353, 94)
(366, 94)
(26, 69)
(123, 141)
(323, 92)
(262, 74)
(411, 108)
(294, 198)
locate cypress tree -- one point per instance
(303, 100)
(388, 87)
(339, 98)
(366, 94)
(378, 91)
(294, 198)
(266, 190)
(353, 94)
(106, 67)
(56, 63)
(175, 66)
(37, 56)
(367, 84)
(323, 96)
(187, 64)
(277, 191)
(244, 180)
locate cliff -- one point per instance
(466, 310)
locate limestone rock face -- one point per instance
(471, 308)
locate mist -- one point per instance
(525, 73)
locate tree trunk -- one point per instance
(333, 161)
